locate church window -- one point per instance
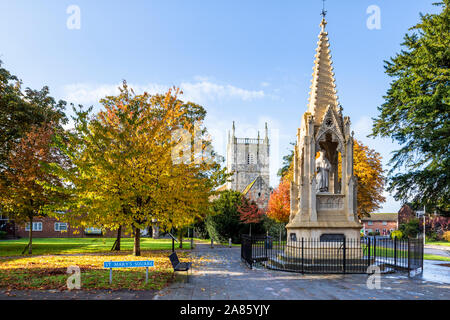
(250, 159)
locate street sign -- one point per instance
(128, 264)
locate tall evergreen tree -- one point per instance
(416, 113)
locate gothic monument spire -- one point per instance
(323, 88)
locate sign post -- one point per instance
(128, 264)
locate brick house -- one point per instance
(46, 227)
(7, 228)
(380, 223)
(405, 214)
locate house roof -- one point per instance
(381, 217)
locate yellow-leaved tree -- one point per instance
(132, 164)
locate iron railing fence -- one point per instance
(339, 256)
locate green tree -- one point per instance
(22, 109)
(224, 221)
(21, 191)
(416, 113)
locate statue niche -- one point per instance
(323, 168)
(327, 165)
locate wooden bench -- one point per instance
(180, 266)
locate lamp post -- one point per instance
(424, 234)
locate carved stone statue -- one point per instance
(323, 169)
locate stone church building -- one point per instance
(248, 160)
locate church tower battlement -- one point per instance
(247, 159)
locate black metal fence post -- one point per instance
(369, 262)
(409, 265)
(395, 251)
(343, 255)
(374, 249)
(303, 266)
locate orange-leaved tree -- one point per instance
(279, 206)
(22, 193)
(369, 173)
(279, 203)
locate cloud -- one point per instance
(199, 91)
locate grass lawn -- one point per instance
(435, 257)
(388, 252)
(439, 243)
(43, 246)
(49, 272)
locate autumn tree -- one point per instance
(249, 212)
(416, 113)
(126, 170)
(20, 110)
(369, 174)
(370, 179)
(279, 207)
(21, 191)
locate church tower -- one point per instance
(323, 191)
(248, 161)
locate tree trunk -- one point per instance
(250, 229)
(137, 242)
(116, 245)
(30, 241)
(279, 238)
(180, 237)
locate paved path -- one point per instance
(226, 277)
(438, 247)
(437, 250)
(220, 274)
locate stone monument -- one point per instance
(323, 190)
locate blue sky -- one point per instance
(249, 61)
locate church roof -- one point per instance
(249, 186)
(323, 88)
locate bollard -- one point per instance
(192, 243)
(110, 274)
(229, 242)
(146, 275)
(212, 243)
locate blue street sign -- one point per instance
(128, 264)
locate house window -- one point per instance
(369, 230)
(60, 226)
(377, 230)
(370, 223)
(37, 226)
(384, 223)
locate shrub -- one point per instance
(3, 234)
(396, 234)
(410, 229)
(446, 236)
